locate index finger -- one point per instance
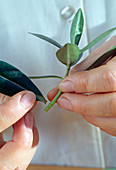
(101, 79)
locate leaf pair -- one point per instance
(75, 35)
(69, 54)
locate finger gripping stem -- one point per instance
(53, 101)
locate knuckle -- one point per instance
(83, 84)
(3, 98)
(83, 108)
(25, 142)
(3, 122)
(109, 78)
(112, 132)
(6, 166)
(2, 167)
(21, 167)
(5, 118)
(113, 104)
(24, 145)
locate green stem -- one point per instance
(41, 77)
(58, 94)
(53, 101)
(67, 70)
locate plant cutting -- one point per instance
(12, 80)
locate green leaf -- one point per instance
(13, 81)
(103, 58)
(97, 40)
(47, 39)
(68, 54)
(77, 27)
(46, 76)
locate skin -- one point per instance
(91, 93)
(16, 111)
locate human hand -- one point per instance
(99, 107)
(17, 153)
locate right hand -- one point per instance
(99, 107)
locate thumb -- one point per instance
(15, 107)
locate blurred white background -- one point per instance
(65, 137)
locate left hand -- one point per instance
(16, 111)
(99, 107)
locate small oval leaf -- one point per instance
(47, 39)
(77, 27)
(68, 54)
(12, 81)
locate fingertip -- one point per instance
(52, 93)
(23, 100)
(27, 99)
(3, 98)
(65, 103)
(66, 86)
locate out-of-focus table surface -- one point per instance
(42, 167)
